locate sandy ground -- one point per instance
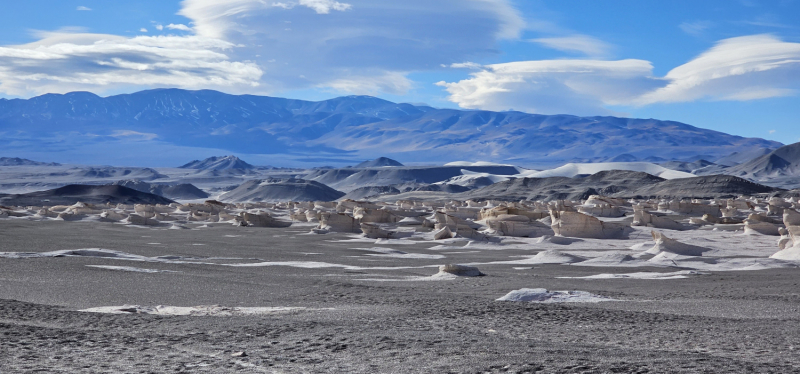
(345, 307)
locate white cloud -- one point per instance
(392, 83)
(740, 69)
(357, 45)
(133, 135)
(159, 27)
(325, 6)
(577, 43)
(179, 26)
(319, 6)
(62, 62)
(143, 29)
(771, 131)
(553, 86)
(83, 8)
(466, 65)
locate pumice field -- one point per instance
(599, 284)
(399, 187)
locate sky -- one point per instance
(727, 65)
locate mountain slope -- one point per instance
(782, 162)
(355, 127)
(378, 162)
(281, 190)
(74, 193)
(16, 161)
(218, 163)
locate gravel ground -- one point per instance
(738, 322)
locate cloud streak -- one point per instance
(740, 69)
(584, 44)
(62, 62)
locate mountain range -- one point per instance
(350, 128)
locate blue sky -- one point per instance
(732, 66)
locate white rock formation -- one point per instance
(643, 218)
(262, 219)
(579, 225)
(665, 244)
(338, 222)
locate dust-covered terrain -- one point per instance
(340, 302)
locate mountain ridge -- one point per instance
(359, 127)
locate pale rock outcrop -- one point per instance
(600, 210)
(370, 215)
(643, 218)
(262, 219)
(487, 213)
(791, 219)
(135, 219)
(665, 244)
(453, 222)
(729, 212)
(785, 241)
(312, 216)
(739, 204)
(44, 212)
(375, 231)
(69, 216)
(113, 216)
(758, 224)
(299, 215)
(83, 208)
(443, 233)
(520, 226)
(774, 210)
(338, 222)
(605, 200)
(579, 225)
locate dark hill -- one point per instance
(91, 194)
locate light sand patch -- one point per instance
(393, 253)
(203, 310)
(131, 269)
(541, 295)
(643, 275)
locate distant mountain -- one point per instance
(276, 189)
(379, 162)
(74, 193)
(184, 191)
(687, 167)
(616, 183)
(16, 161)
(218, 163)
(358, 127)
(737, 158)
(782, 162)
